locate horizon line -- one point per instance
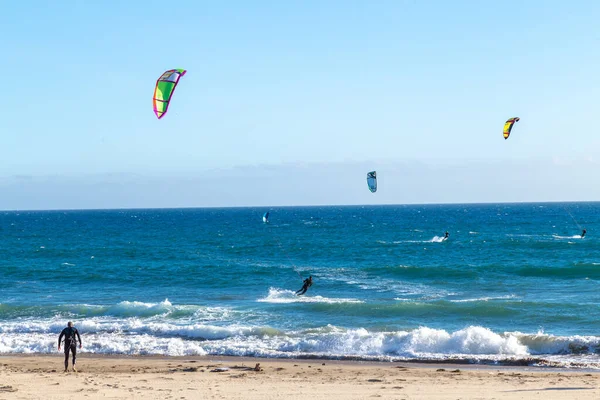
(300, 206)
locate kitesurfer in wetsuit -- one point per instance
(583, 233)
(307, 283)
(446, 235)
(71, 335)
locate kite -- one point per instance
(165, 86)
(372, 181)
(509, 125)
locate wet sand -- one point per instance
(42, 377)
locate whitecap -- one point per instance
(288, 296)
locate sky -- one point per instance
(291, 103)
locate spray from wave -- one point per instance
(287, 296)
(437, 239)
(136, 328)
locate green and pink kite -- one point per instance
(165, 87)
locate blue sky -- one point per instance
(299, 86)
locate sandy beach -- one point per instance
(42, 377)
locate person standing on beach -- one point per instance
(71, 335)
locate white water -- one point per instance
(132, 330)
(288, 296)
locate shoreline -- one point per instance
(527, 363)
(227, 377)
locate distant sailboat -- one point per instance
(266, 218)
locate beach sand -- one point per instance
(42, 377)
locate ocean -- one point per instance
(513, 284)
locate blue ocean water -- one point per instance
(513, 282)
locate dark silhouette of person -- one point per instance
(71, 336)
(306, 284)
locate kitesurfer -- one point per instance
(71, 335)
(306, 284)
(446, 235)
(583, 233)
(508, 125)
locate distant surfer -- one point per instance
(446, 235)
(583, 233)
(306, 284)
(71, 336)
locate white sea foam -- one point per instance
(137, 336)
(473, 340)
(288, 296)
(126, 310)
(437, 239)
(371, 282)
(567, 237)
(507, 297)
(104, 344)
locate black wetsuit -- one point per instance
(71, 337)
(305, 286)
(583, 233)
